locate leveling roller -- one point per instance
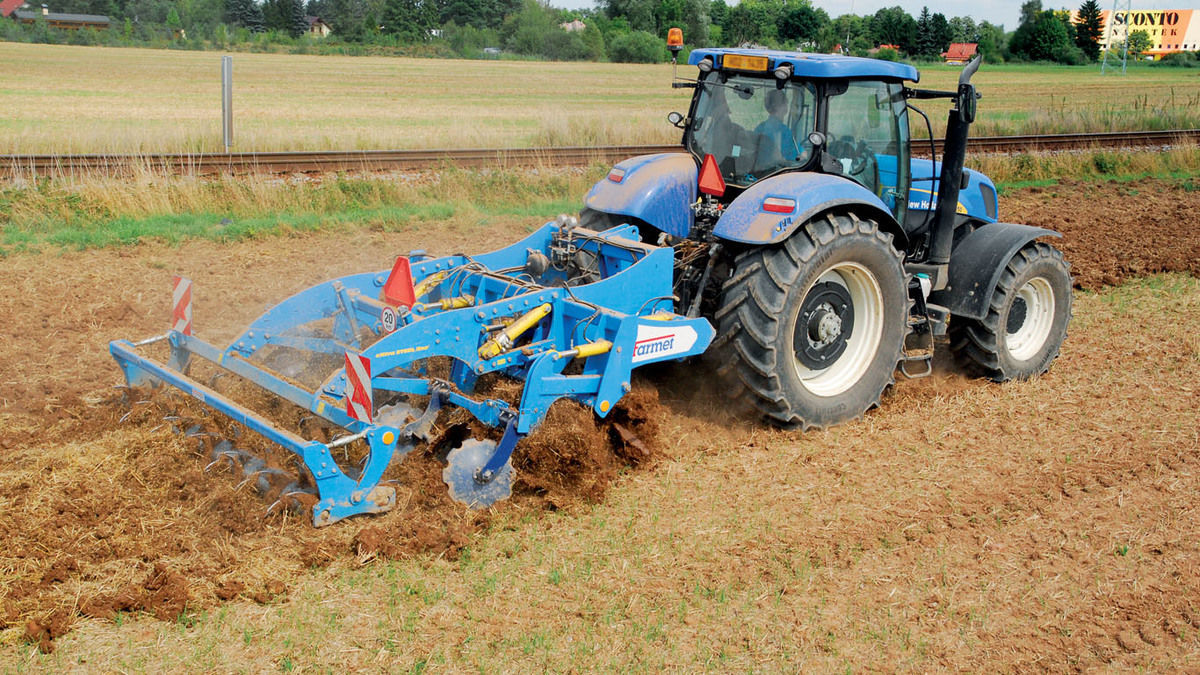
(568, 311)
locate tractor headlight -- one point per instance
(783, 72)
(705, 65)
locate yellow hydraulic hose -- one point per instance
(448, 303)
(428, 283)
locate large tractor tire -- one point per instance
(1026, 323)
(813, 329)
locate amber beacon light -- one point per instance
(674, 41)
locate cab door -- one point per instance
(867, 132)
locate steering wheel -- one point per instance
(858, 154)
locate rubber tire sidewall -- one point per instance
(1059, 280)
(876, 256)
(761, 300)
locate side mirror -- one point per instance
(966, 103)
(675, 119)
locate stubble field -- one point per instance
(1048, 524)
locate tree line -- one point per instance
(616, 30)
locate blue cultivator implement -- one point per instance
(568, 310)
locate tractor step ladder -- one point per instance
(925, 322)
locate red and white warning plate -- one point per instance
(181, 305)
(358, 387)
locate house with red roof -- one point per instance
(7, 7)
(960, 53)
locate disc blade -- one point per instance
(464, 462)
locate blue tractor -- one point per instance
(794, 221)
(825, 254)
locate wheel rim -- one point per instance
(861, 344)
(1030, 319)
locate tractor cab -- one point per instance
(761, 113)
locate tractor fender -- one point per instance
(657, 189)
(746, 220)
(977, 262)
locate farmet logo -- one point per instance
(654, 346)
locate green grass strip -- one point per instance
(74, 217)
(177, 228)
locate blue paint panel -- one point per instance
(746, 221)
(658, 189)
(808, 66)
(972, 199)
(889, 180)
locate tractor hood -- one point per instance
(977, 198)
(656, 189)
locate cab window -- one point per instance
(865, 138)
(752, 126)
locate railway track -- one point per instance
(414, 160)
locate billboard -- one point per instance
(1170, 30)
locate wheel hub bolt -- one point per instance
(824, 325)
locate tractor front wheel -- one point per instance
(813, 329)
(1026, 323)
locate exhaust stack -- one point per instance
(954, 154)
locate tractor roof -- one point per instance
(809, 66)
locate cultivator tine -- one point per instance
(290, 496)
(262, 478)
(254, 469)
(172, 419)
(126, 415)
(421, 427)
(223, 450)
(251, 466)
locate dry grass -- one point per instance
(1027, 99)
(1182, 159)
(94, 99)
(92, 211)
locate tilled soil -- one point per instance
(1115, 231)
(109, 510)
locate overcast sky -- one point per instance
(1000, 12)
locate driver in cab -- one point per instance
(777, 139)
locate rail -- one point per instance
(419, 160)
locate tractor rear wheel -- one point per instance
(813, 329)
(1026, 323)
